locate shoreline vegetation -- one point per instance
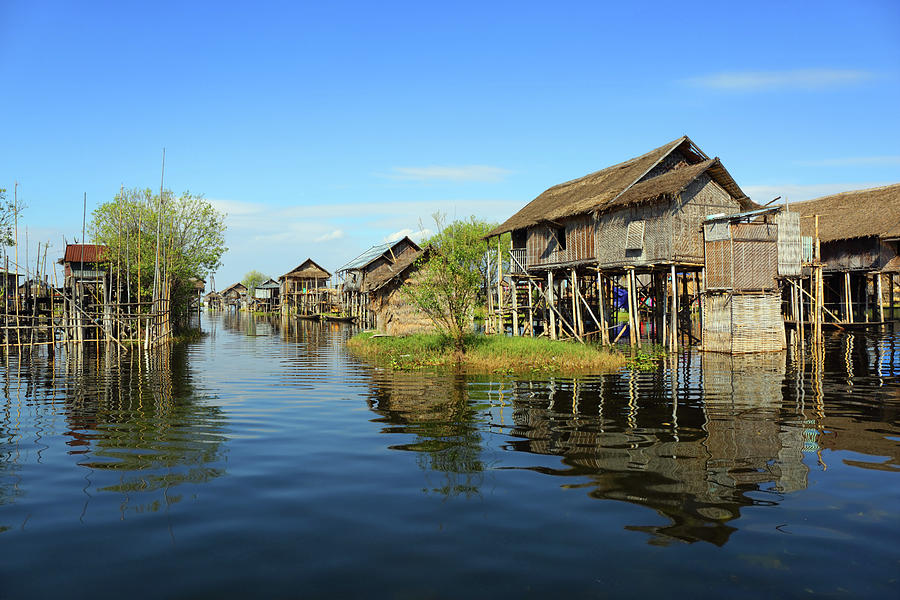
(485, 354)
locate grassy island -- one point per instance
(485, 354)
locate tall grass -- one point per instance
(486, 354)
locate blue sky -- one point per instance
(322, 130)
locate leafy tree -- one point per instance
(253, 279)
(449, 281)
(191, 242)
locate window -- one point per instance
(634, 240)
(560, 234)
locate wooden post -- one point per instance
(674, 326)
(632, 338)
(601, 301)
(576, 314)
(515, 305)
(848, 298)
(880, 299)
(530, 311)
(551, 304)
(501, 326)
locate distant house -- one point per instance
(300, 288)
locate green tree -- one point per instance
(253, 279)
(449, 281)
(191, 242)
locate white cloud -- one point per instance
(853, 161)
(444, 173)
(415, 236)
(797, 193)
(332, 235)
(796, 79)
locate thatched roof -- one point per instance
(308, 269)
(862, 213)
(674, 182)
(596, 190)
(380, 278)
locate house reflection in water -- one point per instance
(694, 462)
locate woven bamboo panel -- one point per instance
(742, 323)
(718, 265)
(749, 232)
(717, 322)
(789, 246)
(755, 265)
(757, 325)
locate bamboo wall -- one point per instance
(743, 323)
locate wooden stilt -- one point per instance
(601, 299)
(551, 304)
(514, 286)
(631, 304)
(674, 326)
(880, 298)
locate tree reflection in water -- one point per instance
(437, 411)
(134, 420)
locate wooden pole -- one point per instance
(551, 304)
(501, 326)
(674, 325)
(601, 298)
(515, 305)
(848, 298)
(530, 311)
(632, 338)
(878, 295)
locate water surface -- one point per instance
(265, 460)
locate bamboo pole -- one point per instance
(880, 300)
(501, 326)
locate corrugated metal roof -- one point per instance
(92, 252)
(366, 257)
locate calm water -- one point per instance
(264, 460)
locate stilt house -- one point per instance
(234, 295)
(373, 265)
(855, 238)
(637, 225)
(303, 287)
(267, 295)
(389, 310)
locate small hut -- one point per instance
(747, 254)
(303, 288)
